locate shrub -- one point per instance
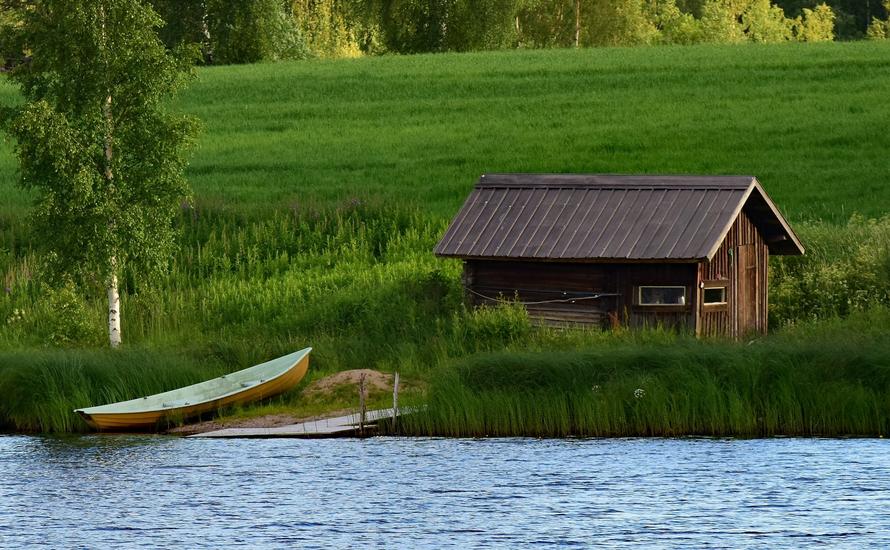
(67, 321)
(491, 327)
(845, 269)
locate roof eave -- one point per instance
(573, 260)
(715, 246)
(798, 246)
(797, 250)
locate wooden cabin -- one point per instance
(689, 252)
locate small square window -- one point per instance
(662, 295)
(715, 295)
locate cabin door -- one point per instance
(746, 290)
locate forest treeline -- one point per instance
(246, 31)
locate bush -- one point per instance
(491, 327)
(67, 321)
(845, 269)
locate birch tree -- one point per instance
(94, 142)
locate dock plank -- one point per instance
(340, 426)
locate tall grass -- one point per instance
(41, 388)
(780, 386)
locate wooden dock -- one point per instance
(341, 426)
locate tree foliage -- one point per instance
(243, 31)
(248, 31)
(675, 26)
(236, 31)
(10, 20)
(94, 142)
(852, 17)
(880, 29)
(815, 25)
(545, 23)
(184, 21)
(617, 23)
(414, 26)
(330, 28)
(473, 25)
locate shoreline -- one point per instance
(281, 420)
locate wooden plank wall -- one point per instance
(537, 282)
(729, 320)
(632, 276)
(540, 283)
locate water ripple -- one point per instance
(159, 492)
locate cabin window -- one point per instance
(714, 296)
(662, 296)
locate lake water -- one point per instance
(160, 492)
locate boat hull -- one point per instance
(151, 419)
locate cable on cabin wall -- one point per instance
(554, 301)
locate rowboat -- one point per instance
(258, 382)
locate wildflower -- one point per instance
(596, 388)
(16, 316)
(639, 393)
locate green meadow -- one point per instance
(320, 188)
(810, 120)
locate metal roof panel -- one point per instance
(605, 217)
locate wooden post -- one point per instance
(395, 400)
(361, 404)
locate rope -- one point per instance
(556, 301)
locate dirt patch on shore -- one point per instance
(375, 382)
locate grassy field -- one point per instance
(321, 188)
(810, 120)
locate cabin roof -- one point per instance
(567, 217)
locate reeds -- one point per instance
(829, 386)
(41, 388)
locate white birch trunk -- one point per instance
(114, 309)
(114, 298)
(518, 33)
(577, 23)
